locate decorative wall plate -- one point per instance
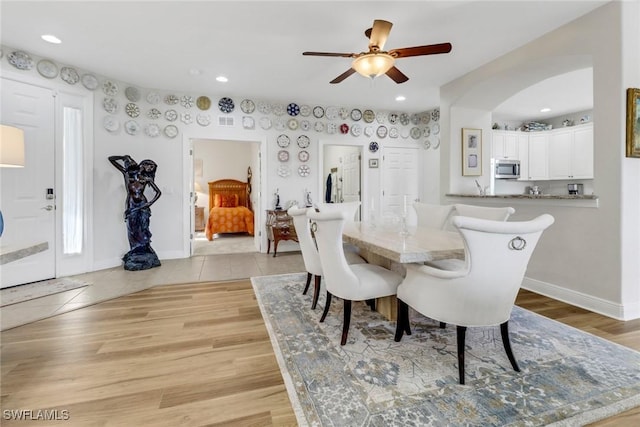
(304, 170)
(344, 128)
(171, 131)
(89, 81)
(303, 141)
(132, 94)
(343, 113)
(264, 107)
(436, 143)
(404, 119)
(247, 106)
(356, 129)
(373, 146)
(415, 132)
(155, 114)
(203, 103)
(305, 110)
(415, 119)
(170, 115)
(368, 116)
(186, 101)
(278, 109)
(393, 132)
(284, 171)
(425, 118)
(280, 124)
(132, 110)
(132, 127)
(426, 144)
(435, 115)
(303, 156)
(332, 128)
(356, 114)
(293, 109)
(203, 119)
(393, 118)
(318, 126)
(110, 88)
(305, 125)
(382, 131)
(381, 117)
(153, 98)
(368, 130)
(226, 105)
(265, 123)
(331, 113)
(152, 130)
(426, 132)
(171, 99)
(292, 124)
(21, 60)
(283, 155)
(69, 75)
(435, 129)
(111, 124)
(318, 112)
(283, 141)
(186, 118)
(47, 69)
(248, 122)
(110, 105)
(404, 133)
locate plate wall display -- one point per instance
(293, 109)
(203, 103)
(152, 130)
(155, 114)
(132, 110)
(132, 127)
(318, 126)
(393, 118)
(111, 124)
(186, 118)
(278, 109)
(356, 115)
(248, 122)
(404, 133)
(110, 88)
(284, 171)
(381, 117)
(303, 156)
(170, 131)
(110, 105)
(368, 130)
(435, 115)
(226, 105)
(368, 116)
(305, 125)
(153, 98)
(89, 81)
(247, 106)
(343, 113)
(280, 124)
(436, 143)
(169, 115)
(426, 132)
(47, 69)
(435, 129)
(356, 130)
(132, 93)
(292, 124)
(426, 144)
(21, 60)
(373, 146)
(69, 75)
(305, 110)
(415, 132)
(186, 101)
(382, 131)
(415, 119)
(331, 113)
(344, 128)
(265, 123)
(283, 156)
(332, 128)
(283, 141)
(425, 118)
(264, 107)
(404, 119)
(303, 141)
(171, 99)
(318, 112)
(393, 132)
(304, 170)
(203, 119)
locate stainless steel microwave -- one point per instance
(506, 169)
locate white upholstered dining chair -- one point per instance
(483, 293)
(483, 212)
(430, 215)
(358, 282)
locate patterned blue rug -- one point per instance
(567, 377)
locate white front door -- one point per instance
(29, 216)
(400, 181)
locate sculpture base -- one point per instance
(142, 258)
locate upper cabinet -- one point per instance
(505, 145)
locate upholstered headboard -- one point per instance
(228, 187)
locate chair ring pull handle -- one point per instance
(517, 243)
(314, 227)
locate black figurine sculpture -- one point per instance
(137, 178)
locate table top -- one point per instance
(421, 244)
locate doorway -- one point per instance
(342, 172)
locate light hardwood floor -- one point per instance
(184, 355)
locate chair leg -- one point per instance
(326, 307)
(460, 333)
(504, 331)
(306, 287)
(372, 304)
(316, 292)
(347, 320)
(402, 324)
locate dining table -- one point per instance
(393, 246)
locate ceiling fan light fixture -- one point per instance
(373, 64)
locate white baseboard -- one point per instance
(578, 299)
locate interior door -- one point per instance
(351, 177)
(400, 181)
(29, 216)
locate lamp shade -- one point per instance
(373, 64)
(11, 147)
(197, 187)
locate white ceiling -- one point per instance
(258, 45)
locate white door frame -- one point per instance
(364, 190)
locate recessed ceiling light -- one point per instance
(195, 72)
(400, 98)
(51, 38)
(545, 110)
(222, 79)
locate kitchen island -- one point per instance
(573, 200)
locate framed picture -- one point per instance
(633, 122)
(471, 152)
(373, 163)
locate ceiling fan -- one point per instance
(376, 61)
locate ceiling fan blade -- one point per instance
(343, 55)
(397, 75)
(378, 34)
(431, 49)
(343, 76)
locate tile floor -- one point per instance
(115, 282)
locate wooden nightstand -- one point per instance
(279, 227)
(199, 218)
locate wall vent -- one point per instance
(225, 121)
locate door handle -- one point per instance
(48, 208)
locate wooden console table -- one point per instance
(199, 218)
(279, 227)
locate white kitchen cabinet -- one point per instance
(582, 158)
(538, 156)
(571, 153)
(505, 144)
(523, 155)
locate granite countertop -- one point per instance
(530, 196)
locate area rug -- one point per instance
(568, 377)
(29, 291)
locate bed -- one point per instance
(229, 208)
